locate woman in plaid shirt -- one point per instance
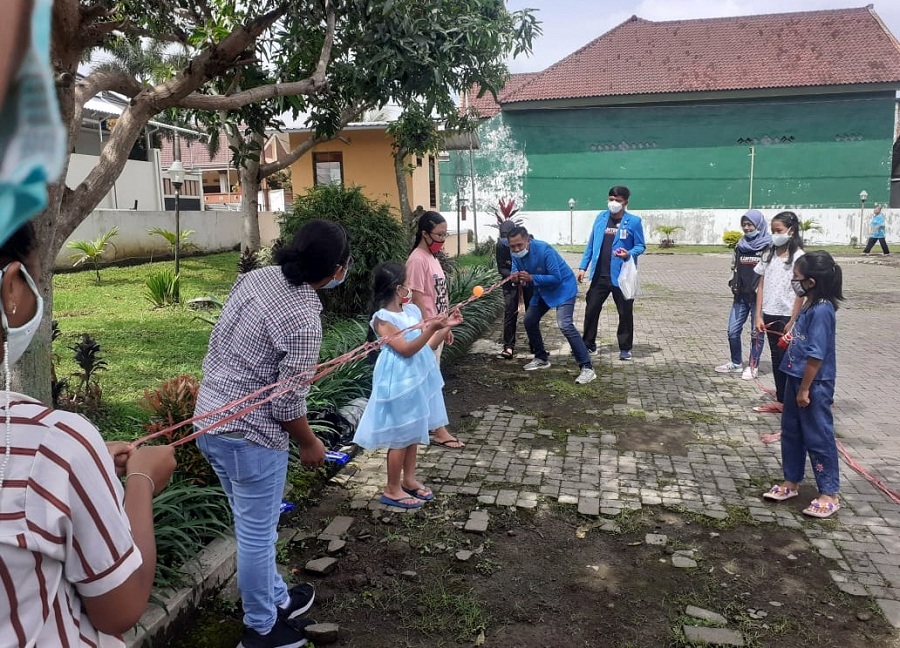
(269, 330)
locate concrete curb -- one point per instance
(217, 563)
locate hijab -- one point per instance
(761, 240)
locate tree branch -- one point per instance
(347, 116)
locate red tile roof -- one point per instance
(195, 154)
(640, 57)
(485, 105)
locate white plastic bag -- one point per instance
(628, 279)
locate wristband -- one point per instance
(146, 476)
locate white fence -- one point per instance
(700, 226)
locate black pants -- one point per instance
(511, 311)
(871, 243)
(774, 326)
(601, 288)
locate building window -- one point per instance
(328, 168)
(418, 160)
(432, 182)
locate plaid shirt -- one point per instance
(269, 330)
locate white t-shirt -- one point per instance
(778, 296)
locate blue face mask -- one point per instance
(32, 137)
(504, 241)
(521, 254)
(751, 235)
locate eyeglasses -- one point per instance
(438, 237)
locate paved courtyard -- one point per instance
(680, 322)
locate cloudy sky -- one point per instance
(570, 24)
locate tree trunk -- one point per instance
(249, 176)
(401, 172)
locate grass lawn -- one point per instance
(144, 346)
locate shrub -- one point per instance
(667, 230)
(170, 404)
(478, 315)
(87, 394)
(162, 288)
(376, 235)
(731, 238)
(92, 251)
(485, 247)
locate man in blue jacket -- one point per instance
(538, 263)
(616, 236)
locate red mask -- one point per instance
(408, 298)
(435, 246)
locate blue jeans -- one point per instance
(742, 309)
(810, 430)
(253, 478)
(564, 314)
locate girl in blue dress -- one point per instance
(807, 426)
(406, 398)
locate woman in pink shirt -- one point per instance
(431, 293)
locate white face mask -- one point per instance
(18, 339)
(780, 239)
(614, 207)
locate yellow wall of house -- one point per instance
(367, 162)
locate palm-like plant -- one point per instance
(92, 251)
(185, 243)
(507, 211)
(809, 225)
(667, 231)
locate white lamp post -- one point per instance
(863, 195)
(176, 177)
(572, 203)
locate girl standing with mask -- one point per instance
(406, 398)
(744, 281)
(269, 330)
(431, 294)
(776, 304)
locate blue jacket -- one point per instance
(629, 235)
(554, 281)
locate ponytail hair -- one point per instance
(318, 248)
(820, 265)
(791, 221)
(385, 279)
(427, 222)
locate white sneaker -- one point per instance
(537, 363)
(749, 373)
(729, 367)
(587, 375)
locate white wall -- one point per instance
(215, 231)
(701, 226)
(138, 181)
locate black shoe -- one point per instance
(302, 597)
(284, 634)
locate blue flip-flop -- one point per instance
(414, 492)
(399, 502)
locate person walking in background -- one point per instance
(537, 263)
(513, 291)
(807, 424)
(431, 293)
(877, 233)
(406, 400)
(743, 283)
(270, 330)
(776, 304)
(616, 235)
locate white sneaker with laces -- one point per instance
(537, 363)
(729, 367)
(587, 375)
(749, 373)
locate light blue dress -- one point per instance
(406, 399)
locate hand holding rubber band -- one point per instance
(308, 377)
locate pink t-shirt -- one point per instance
(425, 274)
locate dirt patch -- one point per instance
(548, 577)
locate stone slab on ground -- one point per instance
(891, 610)
(338, 528)
(713, 636)
(323, 634)
(321, 566)
(705, 615)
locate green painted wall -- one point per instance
(687, 156)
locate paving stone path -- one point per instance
(681, 318)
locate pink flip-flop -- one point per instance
(779, 494)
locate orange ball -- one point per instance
(478, 291)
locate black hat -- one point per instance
(506, 227)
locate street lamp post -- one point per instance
(863, 195)
(572, 203)
(176, 177)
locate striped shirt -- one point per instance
(63, 530)
(269, 330)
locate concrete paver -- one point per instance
(680, 335)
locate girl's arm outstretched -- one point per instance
(409, 348)
(454, 319)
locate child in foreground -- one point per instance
(406, 398)
(807, 426)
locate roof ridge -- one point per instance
(869, 8)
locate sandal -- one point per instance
(506, 354)
(779, 493)
(770, 408)
(823, 510)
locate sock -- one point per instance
(286, 604)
